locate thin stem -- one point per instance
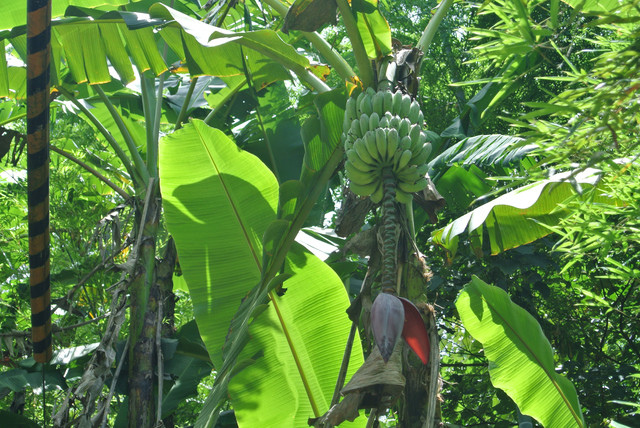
(143, 218)
(13, 118)
(373, 418)
(272, 158)
(342, 375)
(146, 105)
(301, 216)
(433, 387)
(232, 93)
(44, 398)
(339, 64)
(362, 59)
(389, 244)
(54, 329)
(152, 149)
(114, 381)
(185, 105)
(248, 76)
(131, 145)
(126, 160)
(92, 171)
(432, 26)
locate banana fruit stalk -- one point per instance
(384, 130)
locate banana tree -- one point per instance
(88, 45)
(198, 188)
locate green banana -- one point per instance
(365, 105)
(397, 103)
(423, 169)
(362, 152)
(422, 156)
(405, 106)
(403, 127)
(412, 187)
(348, 145)
(359, 98)
(372, 148)
(414, 112)
(418, 143)
(403, 160)
(364, 189)
(378, 103)
(392, 143)
(376, 196)
(387, 104)
(364, 123)
(350, 109)
(409, 174)
(403, 197)
(374, 121)
(384, 128)
(414, 132)
(395, 122)
(357, 161)
(358, 176)
(354, 130)
(392, 134)
(405, 143)
(381, 143)
(346, 124)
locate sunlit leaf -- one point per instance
(520, 357)
(518, 217)
(220, 202)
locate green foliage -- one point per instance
(224, 205)
(520, 357)
(498, 79)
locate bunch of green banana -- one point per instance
(383, 130)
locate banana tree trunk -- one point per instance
(144, 304)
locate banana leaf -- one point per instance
(220, 202)
(520, 357)
(521, 216)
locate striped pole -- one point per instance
(38, 58)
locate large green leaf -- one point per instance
(520, 357)
(605, 7)
(14, 13)
(518, 217)
(219, 202)
(219, 52)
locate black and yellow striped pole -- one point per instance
(38, 60)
